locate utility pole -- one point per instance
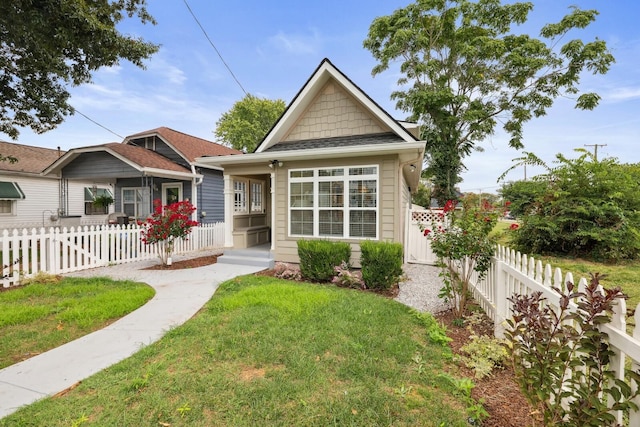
(595, 149)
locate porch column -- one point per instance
(228, 211)
(273, 209)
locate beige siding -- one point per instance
(334, 113)
(388, 229)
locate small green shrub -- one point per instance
(483, 354)
(381, 264)
(318, 258)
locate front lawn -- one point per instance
(265, 351)
(44, 315)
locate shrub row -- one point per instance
(381, 262)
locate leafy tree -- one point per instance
(523, 195)
(48, 45)
(9, 159)
(422, 197)
(587, 208)
(464, 71)
(480, 199)
(247, 123)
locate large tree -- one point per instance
(465, 70)
(248, 121)
(48, 45)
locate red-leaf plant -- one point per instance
(166, 224)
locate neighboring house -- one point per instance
(158, 164)
(28, 199)
(335, 166)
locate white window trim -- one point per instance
(137, 215)
(12, 204)
(257, 208)
(345, 178)
(243, 209)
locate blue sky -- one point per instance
(273, 50)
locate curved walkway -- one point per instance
(179, 295)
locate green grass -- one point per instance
(41, 316)
(626, 275)
(266, 351)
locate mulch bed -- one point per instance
(499, 392)
(187, 263)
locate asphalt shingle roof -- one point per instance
(190, 146)
(30, 159)
(338, 141)
(144, 158)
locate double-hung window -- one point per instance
(256, 197)
(10, 192)
(136, 202)
(239, 196)
(248, 196)
(340, 202)
(90, 196)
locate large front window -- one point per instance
(334, 202)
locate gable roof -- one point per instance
(327, 71)
(188, 146)
(146, 161)
(31, 160)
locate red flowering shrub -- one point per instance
(463, 245)
(166, 224)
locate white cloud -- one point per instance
(623, 94)
(296, 44)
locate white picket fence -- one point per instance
(513, 273)
(24, 253)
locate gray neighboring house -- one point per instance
(158, 164)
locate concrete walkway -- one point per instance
(179, 295)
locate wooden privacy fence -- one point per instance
(25, 253)
(513, 273)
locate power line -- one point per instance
(94, 122)
(214, 47)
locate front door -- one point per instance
(171, 193)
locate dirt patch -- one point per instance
(250, 374)
(501, 396)
(187, 263)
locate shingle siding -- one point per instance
(334, 113)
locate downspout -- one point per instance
(196, 182)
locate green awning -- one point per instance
(90, 196)
(10, 190)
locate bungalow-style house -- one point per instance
(158, 164)
(27, 198)
(334, 166)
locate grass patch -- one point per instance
(41, 316)
(623, 274)
(265, 351)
